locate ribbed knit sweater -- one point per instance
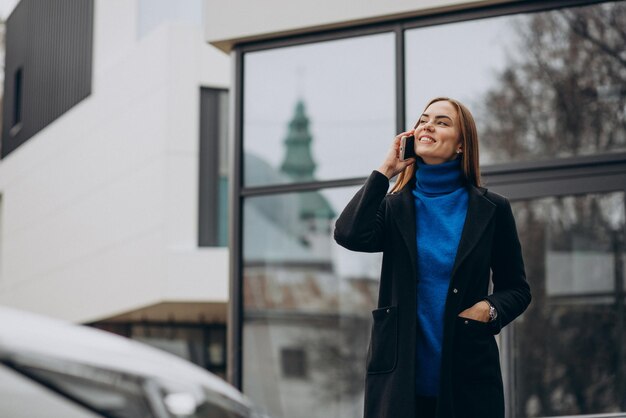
(440, 206)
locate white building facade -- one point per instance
(100, 207)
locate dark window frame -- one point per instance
(517, 180)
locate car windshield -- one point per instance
(112, 393)
(106, 392)
(118, 399)
(21, 397)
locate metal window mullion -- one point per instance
(235, 311)
(400, 80)
(620, 296)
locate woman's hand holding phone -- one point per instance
(393, 165)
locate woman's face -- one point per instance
(437, 135)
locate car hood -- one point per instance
(27, 334)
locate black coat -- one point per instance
(471, 380)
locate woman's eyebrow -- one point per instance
(436, 117)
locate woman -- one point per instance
(432, 351)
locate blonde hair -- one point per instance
(469, 144)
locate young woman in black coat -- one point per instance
(432, 351)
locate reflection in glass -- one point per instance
(307, 307)
(541, 85)
(326, 108)
(570, 345)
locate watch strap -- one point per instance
(493, 312)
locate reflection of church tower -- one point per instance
(315, 213)
(298, 163)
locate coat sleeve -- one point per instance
(360, 227)
(511, 293)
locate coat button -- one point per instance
(455, 290)
(466, 322)
(388, 310)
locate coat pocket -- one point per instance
(383, 349)
(476, 356)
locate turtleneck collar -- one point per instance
(438, 179)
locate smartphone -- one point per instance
(407, 148)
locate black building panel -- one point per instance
(48, 65)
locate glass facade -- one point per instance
(317, 116)
(540, 85)
(310, 108)
(570, 351)
(307, 306)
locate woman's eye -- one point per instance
(421, 122)
(443, 123)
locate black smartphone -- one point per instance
(407, 148)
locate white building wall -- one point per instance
(99, 209)
(245, 20)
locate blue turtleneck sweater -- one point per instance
(440, 207)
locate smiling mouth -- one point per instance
(426, 140)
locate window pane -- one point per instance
(213, 168)
(570, 345)
(307, 307)
(541, 85)
(216, 350)
(294, 363)
(17, 97)
(318, 111)
(185, 342)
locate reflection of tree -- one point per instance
(339, 357)
(571, 351)
(564, 95)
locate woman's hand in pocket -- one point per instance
(478, 312)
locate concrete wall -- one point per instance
(245, 20)
(99, 209)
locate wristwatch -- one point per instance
(493, 313)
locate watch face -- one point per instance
(492, 313)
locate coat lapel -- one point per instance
(480, 210)
(404, 215)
